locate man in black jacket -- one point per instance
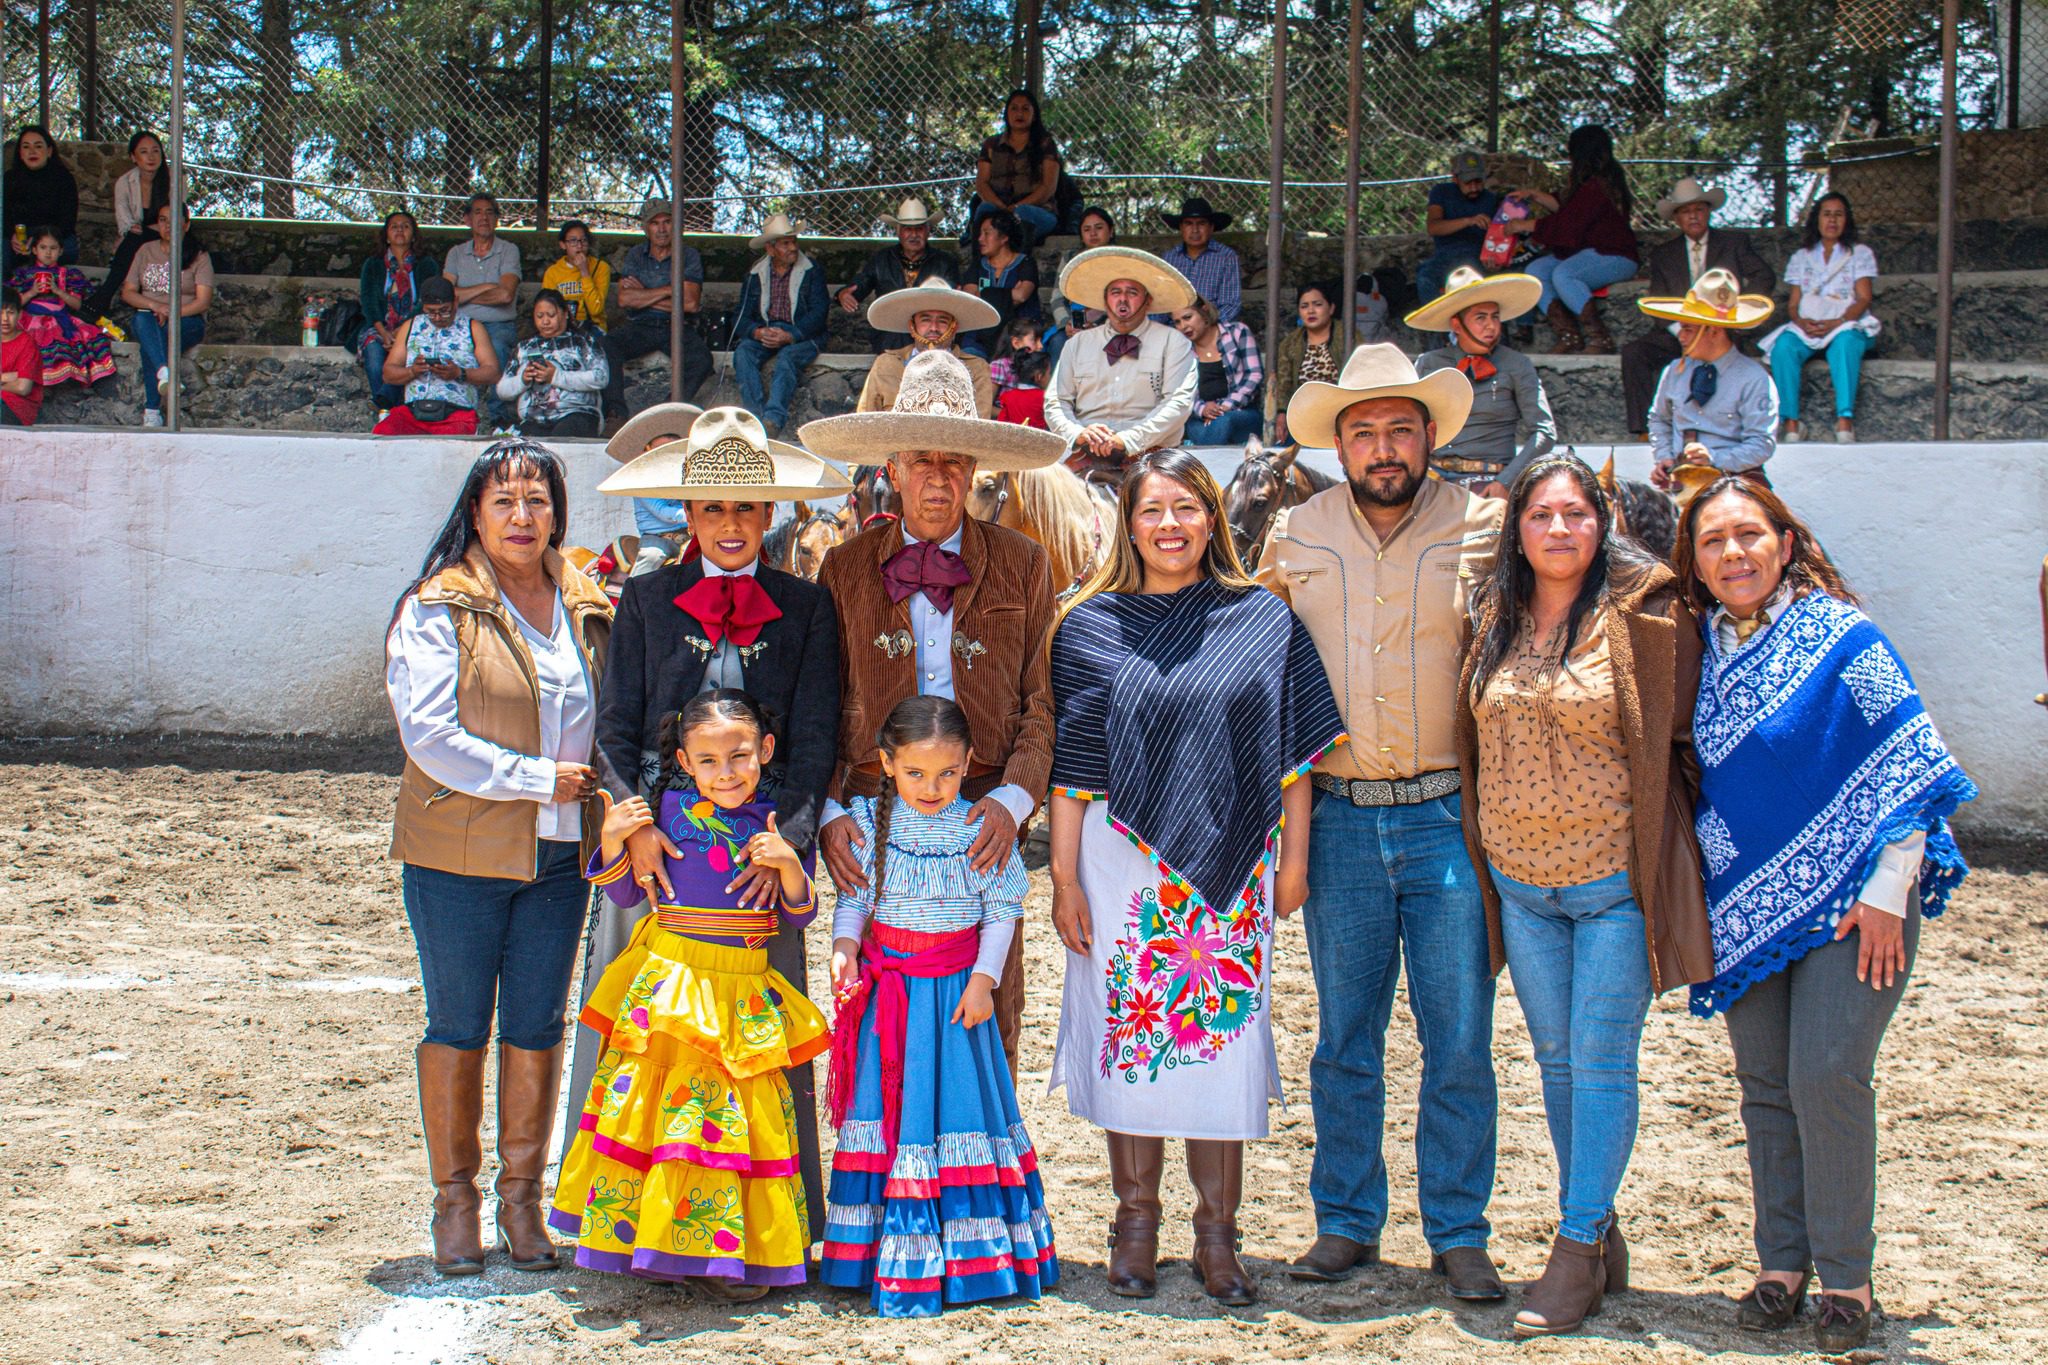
(1674, 266)
(909, 263)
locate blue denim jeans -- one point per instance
(1233, 428)
(1383, 879)
(1572, 282)
(772, 403)
(374, 353)
(1582, 973)
(502, 411)
(154, 342)
(487, 941)
(1845, 368)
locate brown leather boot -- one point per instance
(528, 1083)
(1135, 1165)
(451, 1115)
(1567, 328)
(1216, 1169)
(1598, 342)
(1569, 1291)
(1615, 1254)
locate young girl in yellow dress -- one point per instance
(686, 1167)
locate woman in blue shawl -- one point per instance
(1825, 792)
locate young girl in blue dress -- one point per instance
(935, 1197)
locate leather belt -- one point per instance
(1382, 791)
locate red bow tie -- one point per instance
(1119, 346)
(922, 566)
(730, 606)
(1478, 368)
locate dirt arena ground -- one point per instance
(209, 1001)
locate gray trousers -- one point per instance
(1806, 1045)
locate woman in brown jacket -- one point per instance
(1574, 741)
(492, 663)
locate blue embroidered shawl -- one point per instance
(1815, 752)
(1187, 712)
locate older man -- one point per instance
(1209, 266)
(939, 603)
(658, 276)
(1379, 568)
(934, 315)
(781, 317)
(1127, 386)
(485, 272)
(1714, 405)
(911, 262)
(1510, 427)
(1674, 268)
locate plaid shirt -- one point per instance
(1240, 351)
(1214, 274)
(778, 295)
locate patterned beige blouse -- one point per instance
(1553, 763)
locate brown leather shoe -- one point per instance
(1615, 1255)
(1216, 1170)
(1334, 1258)
(1471, 1272)
(1135, 1166)
(1842, 1324)
(1567, 328)
(1598, 342)
(451, 1113)
(1569, 1291)
(731, 1291)
(528, 1083)
(1770, 1306)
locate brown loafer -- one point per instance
(1334, 1258)
(1471, 1273)
(1770, 1306)
(1842, 1324)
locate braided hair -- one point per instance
(716, 704)
(915, 720)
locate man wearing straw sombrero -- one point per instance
(933, 314)
(1510, 426)
(938, 603)
(717, 617)
(781, 316)
(1127, 386)
(911, 262)
(1714, 405)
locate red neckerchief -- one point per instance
(730, 606)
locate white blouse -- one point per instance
(1827, 287)
(420, 675)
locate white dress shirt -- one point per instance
(724, 668)
(421, 678)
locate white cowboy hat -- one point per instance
(727, 454)
(910, 213)
(672, 420)
(1516, 295)
(1715, 300)
(1379, 372)
(1690, 191)
(777, 227)
(935, 410)
(1083, 279)
(893, 311)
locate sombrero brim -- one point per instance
(1713, 199)
(1312, 412)
(929, 220)
(629, 442)
(659, 473)
(1750, 309)
(1089, 274)
(892, 312)
(795, 230)
(877, 437)
(1516, 295)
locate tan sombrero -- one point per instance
(1715, 300)
(1083, 279)
(777, 227)
(1467, 288)
(1688, 481)
(1380, 371)
(893, 311)
(672, 420)
(1690, 191)
(910, 213)
(935, 410)
(727, 454)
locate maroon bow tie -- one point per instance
(923, 566)
(730, 606)
(1119, 346)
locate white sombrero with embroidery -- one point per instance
(893, 311)
(1381, 371)
(935, 410)
(727, 454)
(1467, 288)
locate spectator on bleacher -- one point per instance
(1832, 276)
(1308, 352)
(583, 280)
(1228, 377)
(73, 349)
(148, 291)
(1007, 277)
(141, 190)
(1591, 244)
(40, 192)
(442, 359)
(1024, 336)
(1097, 228)
(781, 317)
(1372, 310)
(556, 374)
(1674, 266)
(1509, 426)
(1024, 403)
(1018, 170)
(1714, 405)
(932, 315)
(648, 279)
(1211, 267)
(390, 291)
(1126, 387)
(485, 271)
(21, 367)
(1456, 219)
(911, 262)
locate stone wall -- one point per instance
(1998, 177)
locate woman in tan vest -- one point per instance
(492, 663)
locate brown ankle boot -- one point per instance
(528, 1083)
(1216, 1169)
(1567, 328)
(1598, 342)
(451, 1113)
(1615, 1254)
(1135, 1165)
(1569, 1291)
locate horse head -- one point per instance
(874, 497)
(1256, 493)
(990, 495)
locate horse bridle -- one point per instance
(1251, 539)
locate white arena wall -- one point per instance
(240, 583)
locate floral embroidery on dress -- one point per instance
(1183, 982)
(703, 1114)
(712, 1218)
(609, 1203)
(701, 824)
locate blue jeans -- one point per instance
(1038, 222)
(1845, 367)
(505, 341)
(486, 940)
(1233, 428)
(1381, 878)
(790, 361)
(1436, 268)
(154, 343)
(374, 353)
(1572, 282)
(1582, 973)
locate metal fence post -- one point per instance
(1945, 242)
(1277, 117)
(174, 327)
(2012, 64)
(675, 191)
(89, 80)
(1349, 303)
(1493, 76)
(542, 157)
(43, 62)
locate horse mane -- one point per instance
(1059, 505)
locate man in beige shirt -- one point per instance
(1379, 568)
(934, 314)
(1127, 386)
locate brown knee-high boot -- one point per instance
(528, 1083)
(1567, 328)
(1216, 1169)
(451, 1114)
(1595, 328)
(1135, 1165)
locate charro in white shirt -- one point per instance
(1144, 398)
